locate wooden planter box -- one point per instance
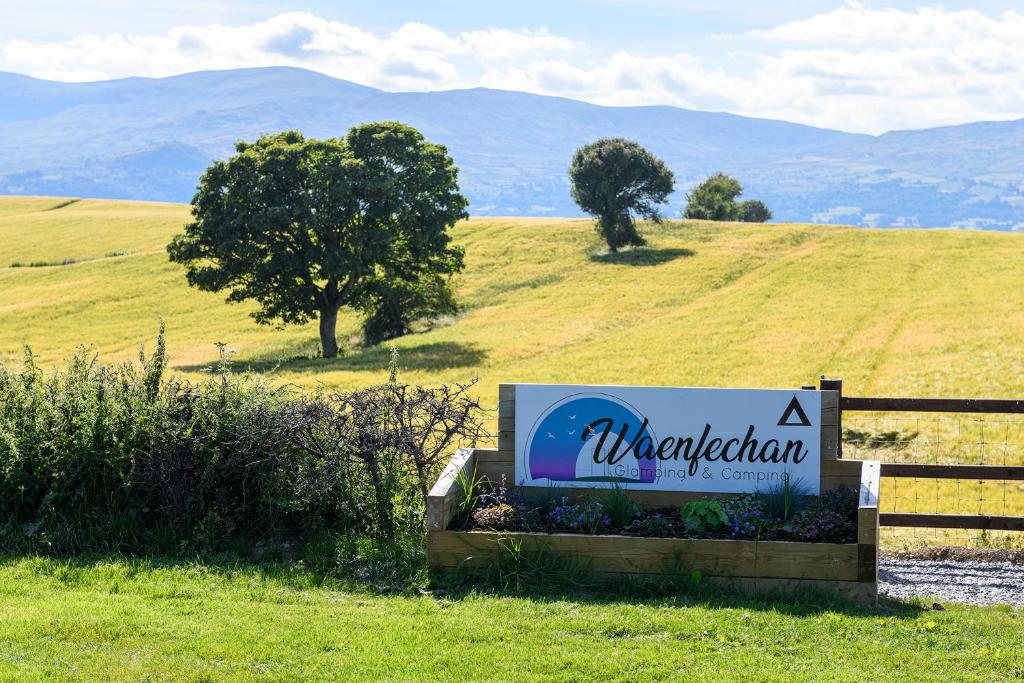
(850, 569)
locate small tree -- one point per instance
(615, 180)
(714, 199)
(754, 211)
(305, 227)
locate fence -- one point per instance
(958, 464)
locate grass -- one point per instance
(893, 312)
(114, 619)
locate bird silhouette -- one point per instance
(571, 432)
(550, 435)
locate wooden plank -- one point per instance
(979, 472)
(495, 464)
(634, 555)
(865, 594)
(867, 526)
(507, 408)
(506, 392)
(441, 499)
(836, 473)
(986, 522)
(835, 386)
(867, 563)
(933, 405)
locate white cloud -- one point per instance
(415, 56)
(854, 67)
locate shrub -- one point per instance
(744, 502)
(100, 458)
(752, 524)
(655, 525)
(822, 526)
(714, 199)
(785, 499)
(620, 508)
(703, 515)
(753, 211)
(588, 518)
(497, 517)
(842, 500)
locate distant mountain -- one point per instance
(139, 138)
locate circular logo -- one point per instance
(562, 443)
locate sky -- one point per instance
(856, 66)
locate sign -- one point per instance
(666, 438)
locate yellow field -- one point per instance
(900, 312)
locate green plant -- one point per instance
(842, 500)
(614, 180)
(587, 518)
(822, 526)
(656, 525)
(99, 458)
(753, 211)
(516, 568)
(620, 508)
(700, 516)
(741, 503)
(501, 517)
(714, 199)
(469, 491)
(785, 499)
(307, 227)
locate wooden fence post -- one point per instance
(837, 386)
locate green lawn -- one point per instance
(120, 620)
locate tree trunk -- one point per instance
(328, 340)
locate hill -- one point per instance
(140, 138)
(894, 312)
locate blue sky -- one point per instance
(858, 66)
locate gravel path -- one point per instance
(973, 582)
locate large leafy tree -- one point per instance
(305, 227)
(616, 180)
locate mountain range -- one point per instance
(143, 138)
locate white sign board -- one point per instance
(666, 438)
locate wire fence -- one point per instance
(942, 439)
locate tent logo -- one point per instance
(794, 415)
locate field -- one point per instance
(121, 620)
(892, 312)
